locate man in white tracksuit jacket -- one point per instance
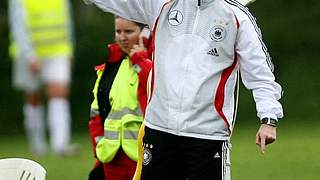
(199, 47)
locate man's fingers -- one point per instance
(265, 135)
(270, 140)
(261, 142)
(258, 140)
(35, 66)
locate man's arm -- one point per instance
(257, 75)
(143, 11)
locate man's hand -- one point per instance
(266, 135)
(34, 65)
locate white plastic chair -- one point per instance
(21, 169)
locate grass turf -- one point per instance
(58, 167)
(294, 156)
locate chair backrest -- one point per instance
(21, 169)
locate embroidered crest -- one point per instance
(218, 33)
(147, 156)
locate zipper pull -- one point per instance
(199, 2)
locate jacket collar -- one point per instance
(115, 53)
(201, 2)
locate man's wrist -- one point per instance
(269, 121)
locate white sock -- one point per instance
(59, 123)
(34, 126)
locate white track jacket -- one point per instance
(200, 45)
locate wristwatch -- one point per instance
(269, 121)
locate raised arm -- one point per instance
(143, 11)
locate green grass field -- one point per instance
(58, 168)
(295, 155)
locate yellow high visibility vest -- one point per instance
(125, 117)
(49, 25)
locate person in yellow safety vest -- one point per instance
(42, 49)
(120, 98)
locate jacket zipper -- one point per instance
(193, 31)
(197, 17)
(186, 65)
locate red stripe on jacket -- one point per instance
(219, 98)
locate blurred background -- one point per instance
(291, 30)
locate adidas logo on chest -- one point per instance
(213, 52)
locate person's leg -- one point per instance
(27, 81)
(130, 166)
(34, 123)
(120, 168)
(206, 159)
(161, 156)
(226, 160)
(56, 74)
(97, 173)
(59, 120)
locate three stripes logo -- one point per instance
(213, 52)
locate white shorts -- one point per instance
(53, 70)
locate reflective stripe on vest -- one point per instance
(49, 26)
(125, 111)
(131, 134)
(112, 135)
(125, 117)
